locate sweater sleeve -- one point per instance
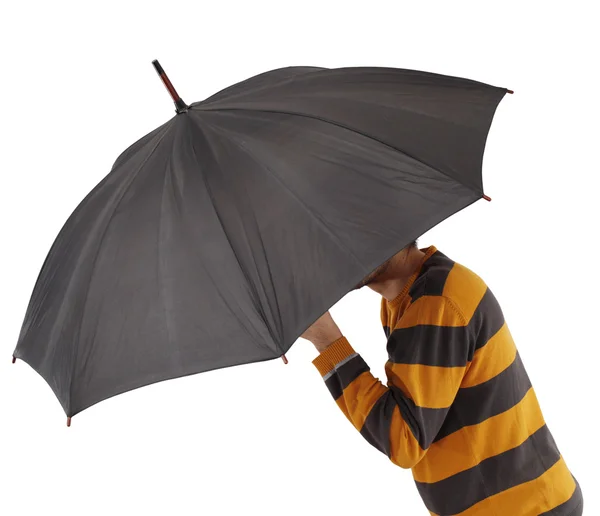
(429, 351)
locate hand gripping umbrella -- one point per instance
(219, 237)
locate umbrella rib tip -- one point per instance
(14, 359)
(68, 421)
(487, 198)
(285, 360)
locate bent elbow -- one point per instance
(405, 451)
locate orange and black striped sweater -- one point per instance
(458, 407)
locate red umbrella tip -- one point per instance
(14, 359)
(510, 91)
(285, 360)
(487, 198)
(68, 421)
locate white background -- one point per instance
(77, 87)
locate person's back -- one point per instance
(458, 409)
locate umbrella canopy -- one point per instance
(219, 237)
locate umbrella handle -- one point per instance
(180, 105)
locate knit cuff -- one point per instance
(337, 351)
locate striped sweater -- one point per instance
(458, 407)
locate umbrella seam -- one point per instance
(332, 96)
(242, 93)
(159, 257)
(279, 337)
(118, 203)
(208, 190)
(245, 149)
(327, 121)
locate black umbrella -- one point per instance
(219, 237)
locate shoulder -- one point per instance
(444, 278)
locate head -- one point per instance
(380, 272)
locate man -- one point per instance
(458, 408)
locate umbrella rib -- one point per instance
(327, 121)
(117, 204)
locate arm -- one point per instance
(429, 352)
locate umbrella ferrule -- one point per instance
(180, 105)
